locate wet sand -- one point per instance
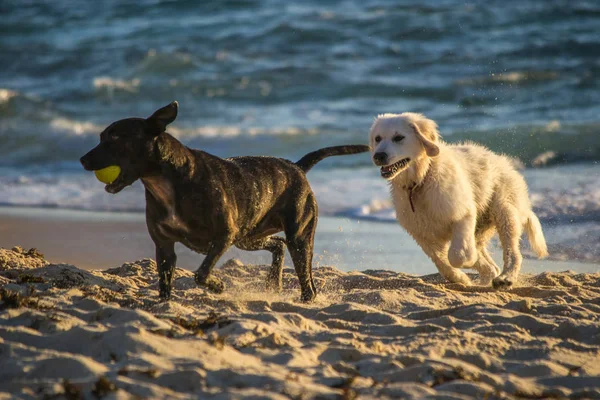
(102, 240)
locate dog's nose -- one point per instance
(84, 162)
(380, 157)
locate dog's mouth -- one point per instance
(119, 184)
(115, 187)
(390, 171)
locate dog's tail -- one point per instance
(309, 160)
(536, 236)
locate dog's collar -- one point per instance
(415, 186)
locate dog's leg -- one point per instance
(486, 267)
(463, 251)
(300, 235)
(452, 274)
(509, 230)
(202, 274)
(301, 251)
(165, 262)
(275, 245)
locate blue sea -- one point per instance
(284, 78)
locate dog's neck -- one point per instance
(170, 153)
(415, 174)
(414, 178)
(172, 161)
(161, 188)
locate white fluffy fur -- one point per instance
(463, 194)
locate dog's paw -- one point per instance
(273, 285)
(308, 296)
(503, 282)
(273, 282)
(463, 255)
(211, 283)
(461, 278)
(164, 296)
(164, 291)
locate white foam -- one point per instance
(228, 131)
(75, 127)
(75, 191)
(514, 77)
(356, 193)
(6, 95)
(111, 84)
(206, 131)
(571, 205)
(581, 202)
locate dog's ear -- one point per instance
(426, 131)
(163, 117)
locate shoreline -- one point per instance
(100, 240)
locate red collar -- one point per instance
(416, 186)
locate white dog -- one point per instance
(452, 198)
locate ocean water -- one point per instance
(284, 78)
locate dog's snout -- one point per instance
(380, 157)
(91, 160)
(84, 162)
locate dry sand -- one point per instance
(371, 334)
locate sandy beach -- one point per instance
(71, 333)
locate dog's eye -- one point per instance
(377, 139)
(397, 138)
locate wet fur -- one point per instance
(462, 194)
(209, 203)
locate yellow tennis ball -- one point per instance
(109, 174)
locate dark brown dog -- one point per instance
(209, 204)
